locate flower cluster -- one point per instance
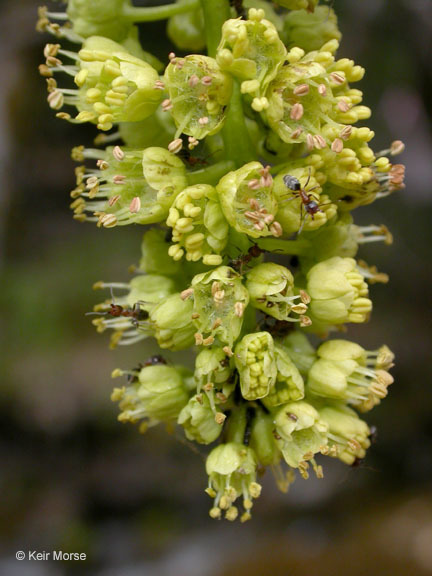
(251, 152)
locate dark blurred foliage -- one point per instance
(74, 479)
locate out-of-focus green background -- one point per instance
(74, 479)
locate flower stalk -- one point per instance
(245, 164)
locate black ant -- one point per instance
(309, 203)
(154, 361)
(237, 263)
(136, 313)
(277, 328)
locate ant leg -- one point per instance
(303, 223)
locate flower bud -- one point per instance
(338, 292)
(198, 95)
(186, 31)
(113, 86)
(310, 31)
(256, 363)
(308, 5)
(172, 324)
(271, 289)
(158, 394)
(130, 186)
(219, 303)
(289, 384)
(200, 230)
(252, 51)
(248, 202)
(348, 435)
(262, 439)
(302, 434)
(337, 238)
(198, 421)
(345, 371)
(98, 18)
(154, 254)
(232, 473)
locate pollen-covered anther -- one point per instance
(337, 78)
(276, 229)
(135, 205)
(346, 132)
(228, 351)
(55, 99)
(159, 85)
(113, 200)
(305, 321)
(301, 90)
(203, 120)
(220, 418)
(102, 164)
(343, 106)
(218, 297)
(254, 184)
(299, 308)
(337, 145)
(166, 105)
(397, 147)
(208, 341)
(297, 111)
(310, 143)
(107, 220)
(319, 142)
(171, 56)
(175, 146)
(119, 179)
(304, 296)
(266, 180)
(118, 153)
(322, 90)
(239, 309)
(198, 339)
(206, 80)
(185, 294)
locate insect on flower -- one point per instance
(308, 202)
(237, 263)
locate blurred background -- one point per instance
(74, 479)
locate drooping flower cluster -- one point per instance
(236, 158)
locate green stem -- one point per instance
(150, 14)
(210, 174)
(215, 14)
(237, 425)
(290, 247)
(237, 144)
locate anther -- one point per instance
(175, 146)
(296, 111)
(118, 153)
(135, 205)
